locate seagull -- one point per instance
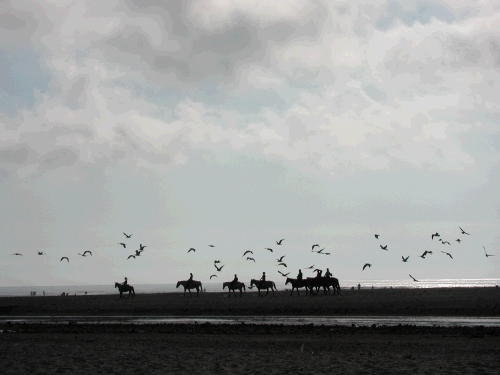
(85, 253)
(487, 255)
(64, 258)
(131, 256)
(458, 240)
(281, 259)
(17, 254)
(280, 241)
(191, 249)
(377, 236)
(127, 235)
(268, 248)
(320, 251)
(141, 247)
(383, 247)
(444, 252)
(41, 253)
(248, 258)
(310, 268)
(313, 246)
(212, 276)
(250, 287)
(216, 261)
(405, 259)
(326, 253)
(366, 265)
(211, 245)
(413, 278)
(425, 253)
(317, 269)
(434, 235)
(219, 268)
(282, 264)
(284, 274)
(444, 242)
(124, 245)
(247, 252)
(464, 232)
(138, 253)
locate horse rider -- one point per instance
(328, 274)
(125, 283)
(318, 275)
(235, 280)
(263, 278)
(299, 276)
(189, 280)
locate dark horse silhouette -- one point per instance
(264, 285)
(237, 285)
(296, 284)
(125, 288)
(322, 282)
(193, 284)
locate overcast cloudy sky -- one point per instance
(236, 124)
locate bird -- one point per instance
(64, 258)
(131, 256)
(444, 252)
(138, 253)
(282, 264)
(247, 252)
(326, 253)
(281, 258)
(310, 268)
(320, 251)
(212, 276)
(85, 253)
(191, 249)
(219, 268)
(141, 247)
(127, 235)
(317, 269)
(377, 236)
(366, 265)
(248, 258)
(313, 246)
(487, 255)
(444, 242)
(283, 274)
(211, 245)
(464, 232)
(17, 254)
(124, 245)
(216, 261)
(41, 253)
(383, 247)
(250, 287)
(268, 248)
(434, 235)
(413, 278)
(405, 259)
(280, 241)
(458, 240)
(425, 253)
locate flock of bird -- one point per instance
(426, 252)
(85, 253)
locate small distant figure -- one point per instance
(373, 287)
(85, 293)
(328, 274)
(190, 279)
(44, 292)
(318, 273)
(125, 283)
(377, 236)
(299, 275)
(359, 286)
(235, 280)
(263, 278)
(204, 290)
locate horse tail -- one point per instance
(201, 287)
(274, 286)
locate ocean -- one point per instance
(11, 291)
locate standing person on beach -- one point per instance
(299, 276)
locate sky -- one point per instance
(236, 124)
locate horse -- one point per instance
(264, 285)
(332, 282)
(322, 282)
(296, 284)
(125, 288)
(237, 285)
(193, 284)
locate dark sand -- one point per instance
(253, 349)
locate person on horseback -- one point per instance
(318, 275)
(235, 280)
(299, 276)
(328, 274)
(125, 283)
(263, 278)
(189, 280)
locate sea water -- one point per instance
(12, 291)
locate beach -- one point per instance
(257, 349)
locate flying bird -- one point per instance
(248, 258)
(310, 268)
(138, 253)
(17, 254)
(280, 241)
(124, 245)
(326, 253)
(281, 259)
(268, 248)
(41, 253)
(219, 268)
(85, 253)
(282, 264)
(444, 252)
(366, 265)
(413, 278)
(383, 247)
(377, 236)
(283, 274)
(487, 255)
(211, 245)
(131, 256)
(405, 259)
(212, 276)
(250, 287)
(216, 261)
(313, 246)
(458, 240)
(434, 235)
(64, 258)
(444, 242)
(141, 247)
(247, 252)
(191, 249)
(320, 251)
(464, 232)
(127, 235)
(425, 253)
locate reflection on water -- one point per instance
(427, 321)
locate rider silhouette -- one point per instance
(319, 272)
(235, 280)
(328, 274)
(125, 283)
(263, 278)
(299, 276)
(189, 280)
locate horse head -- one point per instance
(178, 283)
(288, 280)
(117, 285)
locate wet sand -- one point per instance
(256, 349)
